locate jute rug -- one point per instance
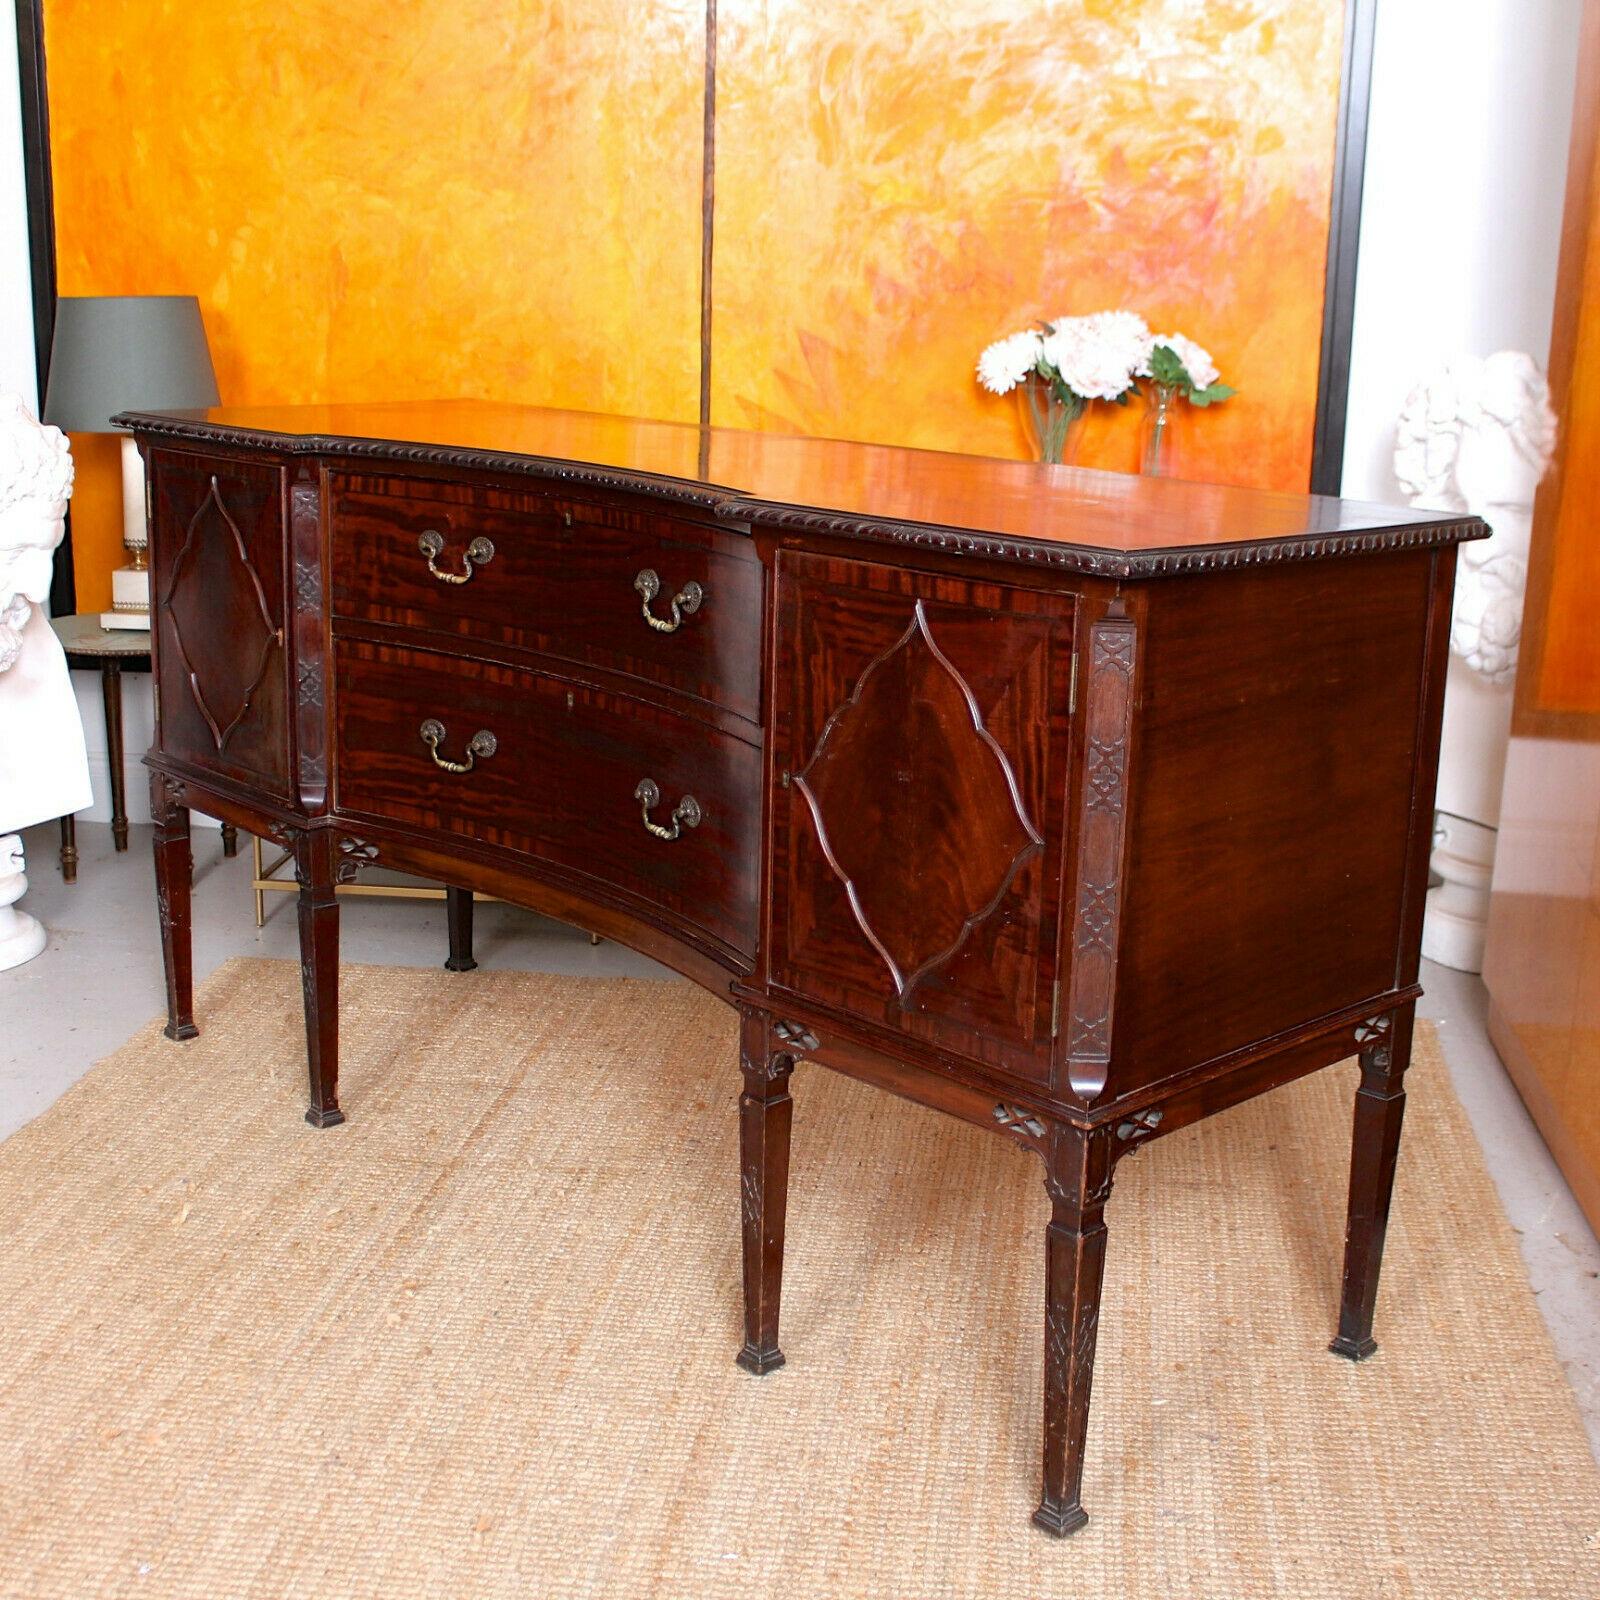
(479, 1341)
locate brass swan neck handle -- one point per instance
(481, 744)
(478, 554)
(686, 814)
(684, 603)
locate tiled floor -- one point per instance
(101, 976)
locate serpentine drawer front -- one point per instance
(1076, 805)
(557, 775)
(624, 586)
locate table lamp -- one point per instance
(116, 353)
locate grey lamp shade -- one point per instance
(115, 353)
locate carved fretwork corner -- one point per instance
(353, 855)
(1111, 695)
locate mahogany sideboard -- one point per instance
(1076, 805)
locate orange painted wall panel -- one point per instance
(495, 198)
(502, 198)
(899, 182)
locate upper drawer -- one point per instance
(560, 575)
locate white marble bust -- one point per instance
(44, 772)
(1477, 437)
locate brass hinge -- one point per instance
(1055, 1010)
(1072, 690)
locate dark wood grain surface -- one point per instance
(1108, 522)
(899, 753)
(1272, 804)
(562, 783)
(560, 577)
(217, 583)
(922, 728)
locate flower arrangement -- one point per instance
(1062, 366)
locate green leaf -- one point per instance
(1217, 393)
(1165, 367)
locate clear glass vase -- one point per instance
(1055, 425)
(1158, 448)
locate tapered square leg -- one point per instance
(315, 868)
(458, 916)
(1078, 1177)
(174, 871)
(764, 1116)
(1375, 1149)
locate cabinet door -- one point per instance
(217, 586)
(921, 730)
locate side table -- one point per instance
(90, 647)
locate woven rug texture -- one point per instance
(479, 1341)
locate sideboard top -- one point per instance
(1110, 524)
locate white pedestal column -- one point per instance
(1457, 920)
(1472, 767)
(1476, 437)
(21, 937)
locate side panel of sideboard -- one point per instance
(1275, 801)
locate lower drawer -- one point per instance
(558, 771)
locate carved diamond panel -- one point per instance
(220, 619)
(916, 807)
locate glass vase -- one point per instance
(1158, 449)
(1054, 425)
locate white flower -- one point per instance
(1006, 363)
(1196, 361)
(1124, 332)
(1096, 356)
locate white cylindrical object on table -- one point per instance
(135, 530)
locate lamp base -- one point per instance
(130, 599)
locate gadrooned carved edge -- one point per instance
(706, 496)
(731, 507)
(1101, 563)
